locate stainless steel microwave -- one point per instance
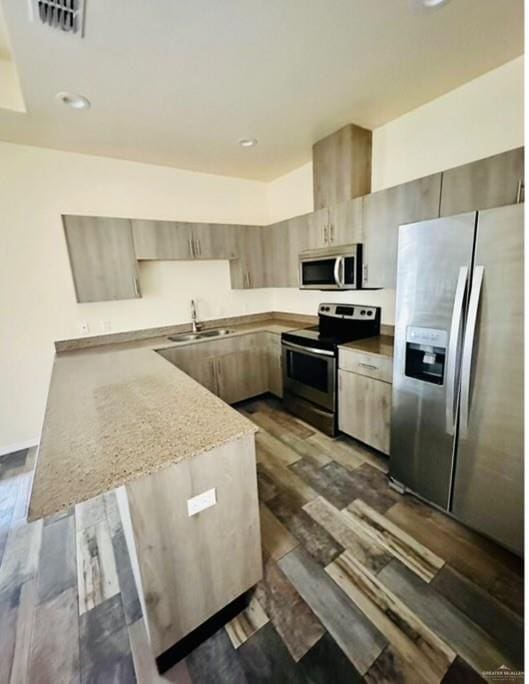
(332, 268)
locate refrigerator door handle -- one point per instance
(468, 346)
(453, 349)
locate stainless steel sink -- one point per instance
(188, 337)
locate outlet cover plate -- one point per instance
(202, 501)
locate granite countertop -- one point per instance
(116, 412)
(382, 345)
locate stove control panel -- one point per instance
(352, 312)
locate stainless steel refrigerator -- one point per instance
(457, 423)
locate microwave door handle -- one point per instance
(339, 271)
(468, 346)
(453, 348)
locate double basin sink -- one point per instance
(188, 337)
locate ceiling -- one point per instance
(178, 82)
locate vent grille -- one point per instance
(64, 15)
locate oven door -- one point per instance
(310, 373)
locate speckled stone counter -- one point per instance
(120, 411)
(381, 345)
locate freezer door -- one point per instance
(434, 259)
(488, 490)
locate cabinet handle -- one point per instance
(368, 365)
(325, 234)
(199, 249)
(136, 286)
(364, 273)
(191, 246)
(520, 191)
(331, 233)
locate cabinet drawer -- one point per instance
(372, 365)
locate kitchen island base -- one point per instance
(187, 568)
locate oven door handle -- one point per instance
(307, 350)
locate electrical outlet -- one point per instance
(84, 327)
(106, 326)
(201, 501)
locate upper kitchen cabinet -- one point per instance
(491, 182)
(383, 212)
(102, 258)
(248, 271)
(163, 239)
(278, 250)
(345, 222)
(183, 240)
(341, 166)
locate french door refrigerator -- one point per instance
(457, 423)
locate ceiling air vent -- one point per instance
(64, 15)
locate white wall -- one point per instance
(478, 119)
(37, 302)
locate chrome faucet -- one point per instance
(194, 324)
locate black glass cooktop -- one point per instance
(312, 337)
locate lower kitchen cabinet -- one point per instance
(241, 375)
(364, 409)
(233, 368)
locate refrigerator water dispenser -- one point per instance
(426, 354)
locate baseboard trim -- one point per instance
(18, 446)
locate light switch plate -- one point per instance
(201, 501)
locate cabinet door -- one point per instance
(242, 374)
(383, 213)
(102, 258)
(317, 229)
(274, 363)
(276, 253)
(492, 182)
(214, 241)
(162, 239)
(364, 409)
(345, 222)
(249, 271)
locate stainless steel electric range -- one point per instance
(310, 360)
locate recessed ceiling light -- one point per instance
(73, 100)
(428, 4)
(248, 142)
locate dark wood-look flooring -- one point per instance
(360, 583)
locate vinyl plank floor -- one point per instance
(314, 538)
(326, 663)
(265, 659)
(216, 662)
(267, 489)
(283, 477)
(441, 616)
(23, 632)
(55, 645)
(289, 423)
(57, 565)
(292, 618)
(105, 654)
(21, 555)
(352, 631)
(275, 538)
(403, 546)
(366, 550)
(126, 581)
(96, 567)
(332, 481)
(502, 624)
(247, 623)
(422, 654)
(276, 448)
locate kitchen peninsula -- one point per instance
(120, 416)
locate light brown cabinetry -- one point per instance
(159, 240)
(102, 258)
(345, 222)
(278, 252)
(248, 270)
(234, 368)
(383, 213)
(190, 567)
(492, 182)
(342, 166)
(364, 397)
